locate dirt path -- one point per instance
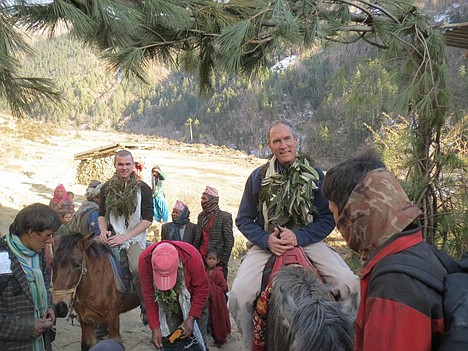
(135, 335)
(36, 158)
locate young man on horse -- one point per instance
(26, 309)
(125, 213)
(268, 218)
(378, 221)
(175, 289)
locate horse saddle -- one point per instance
(121, 280)
(292, 256)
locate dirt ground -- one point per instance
(36, 158)
(135, 336)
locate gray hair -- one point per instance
(284, 122)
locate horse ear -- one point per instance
(86, 242)
(56, 237)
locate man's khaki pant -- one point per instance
(246, 286)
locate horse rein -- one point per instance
(72, 291)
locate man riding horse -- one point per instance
(282, 208)
(125, 213)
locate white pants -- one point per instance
(246, 286)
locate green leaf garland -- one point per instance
(290, 194)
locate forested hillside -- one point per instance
(324, 92)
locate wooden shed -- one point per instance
(98, 163)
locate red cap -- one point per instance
(165, 261)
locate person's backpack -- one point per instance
(75, 225)
(453, 286)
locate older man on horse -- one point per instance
(125, 213)
(275, 215)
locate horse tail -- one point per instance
(302, 316)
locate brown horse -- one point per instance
(83, 279)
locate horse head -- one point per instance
(68, 270)
(303, 316)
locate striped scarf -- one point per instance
(209, 210)
(35, 279)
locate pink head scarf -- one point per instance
(64, 193)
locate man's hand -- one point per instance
(104, 236)
(288, 236)
(280, 242)
(117, 240)
(50, 314)
(41, 325)
(157, 338)
(188, 325)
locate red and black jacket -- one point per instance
(397, 311)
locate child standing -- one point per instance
(220, 323)
(66, 219)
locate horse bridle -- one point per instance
(72, 291)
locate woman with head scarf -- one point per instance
(180, 228)
(61, 202)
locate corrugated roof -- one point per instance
(456, 34)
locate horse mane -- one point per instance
(302, 316)
(69, 242)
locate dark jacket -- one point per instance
(190, 232)
(251, 223)
(456, 307)
(397, 311)
(221, 235)
(17, 306)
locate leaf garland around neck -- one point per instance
(290, 194)
(121, 197)
(168, 300)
